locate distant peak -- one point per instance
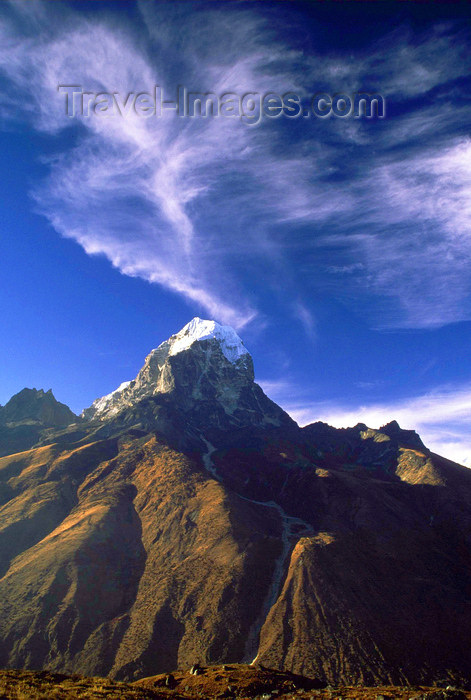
(37, 404)
(392, 426)
(199, 329)
(406, 437)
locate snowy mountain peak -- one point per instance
(230, 368)
(198, 329)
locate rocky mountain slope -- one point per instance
(186, 518)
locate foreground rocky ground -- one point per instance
(227, 681)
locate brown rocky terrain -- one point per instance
(226, 681)
(199, 524)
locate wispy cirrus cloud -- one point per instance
(175, 201)
(125, 190)
(417, 251)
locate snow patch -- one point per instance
(198, 329)
(101, 404)
(208, 458)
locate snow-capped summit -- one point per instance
(198, 329)
(203, 359)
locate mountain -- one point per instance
(216, 370)
(27, 415)
(203, 376)
(40, 406)
(185, 518)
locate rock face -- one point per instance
(204, 375)
(215, 366)
(186, 519)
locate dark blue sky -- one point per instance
(339, 248)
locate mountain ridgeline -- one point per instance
(186, 518)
